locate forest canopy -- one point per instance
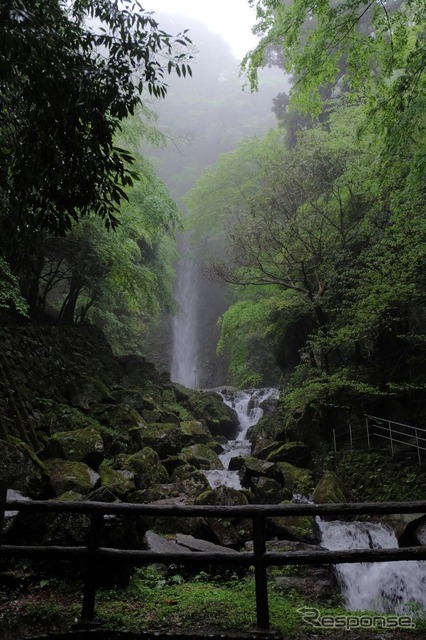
(74, 81)
(324, 217)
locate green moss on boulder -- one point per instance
(68, 475)
(146, 467)
(81, 445)
(201, 457)
(329, 490)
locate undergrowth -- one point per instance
(156, 602)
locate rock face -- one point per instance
(81, 445)
(20, 469)
(66, 475)
(329, 490)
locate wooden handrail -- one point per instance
(92, 553)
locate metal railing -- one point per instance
(92, 554)
(395, 433)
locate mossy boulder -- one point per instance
(254, 468)
(68, 475)
(167, 439)
(270, 428)
(295, 479)
(155, 493)
(120, 416)
(296, 453)
(210, 408)
(81, 445)
(196, 431)
(304, 425)
(301, 528)
(118, 482)
(86, 390)
(121, 440)
(201, 457)
(21, 469)
(229, 532)
(191, 480)
(269, 491)
(329, 490)
(146, 467)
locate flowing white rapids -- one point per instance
(247, 405)
(384, 587)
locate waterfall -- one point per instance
(183, 368)
(248, 407)
(385, 587)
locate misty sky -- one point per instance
(233, 19)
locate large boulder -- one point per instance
(201, 457)
(167, 439)
(21, 469)
(269, 491)
(81, 445)
(146, 467)
(68, 475)
(228, 532)
(192, 481)
(120, 416)
(196, 431)
(84, 391)
(329, 490)
(209, 407)
(300, 528)
(254, 468)
(296, 453)
(295, 479)
(120, 483)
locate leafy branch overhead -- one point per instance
(70, 72)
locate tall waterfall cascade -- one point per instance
(184, 357)
(249, 407)
(384, 587)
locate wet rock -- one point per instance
(196, 431)
(21, 469)
(329, 490)
(167, 439)
(295, 479)
(191, 480)
(269, 491)
(229, 532)
(86, 390)
(119, 482)
(296, 453)
(254, 468)
(81, 445)
(67, 475)
(300, 528)
(201, 457)
(146, 467)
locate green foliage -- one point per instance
(10, 295)
(62, 106)
(376, 476)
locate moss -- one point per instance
(329, 490)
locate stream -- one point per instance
(249, 406)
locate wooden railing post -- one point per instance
(3, 498)
(91, 580)
(261, 579)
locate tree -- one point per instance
(70, 72)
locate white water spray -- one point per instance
(385, 587)
(247, 405)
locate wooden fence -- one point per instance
(92, 554)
